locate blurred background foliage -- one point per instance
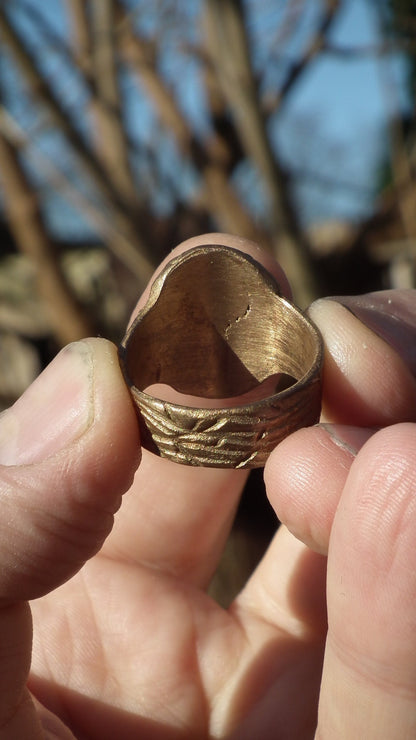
(128, 126)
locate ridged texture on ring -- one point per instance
(241, 437)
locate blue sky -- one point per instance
(357, 91)
(347, 102)
(333, 123)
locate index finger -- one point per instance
(183, 513)
(368, 383)
(368, 370)
(369, 675)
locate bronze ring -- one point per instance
(215, 326)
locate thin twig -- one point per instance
(316, 45)
(98, 218)
(209, 157)
(68, 319)
(230, 54)
(132, 243)
(110, 139)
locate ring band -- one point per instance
(215, 326)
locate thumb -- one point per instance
(68, 450)
(369, 675)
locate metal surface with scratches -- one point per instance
(243, 362)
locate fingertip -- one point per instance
(375, 526)
(392, 315)
(371, 587)
(365, 381)
(59, 498)
(79, 400)
(305, 476)
(99, 455)
(380, 487)
(113, 451)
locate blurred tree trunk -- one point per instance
(229, 53)
(68, 321)
(96, 49)
(131, 249)
(210, 157)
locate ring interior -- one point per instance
(217, 329)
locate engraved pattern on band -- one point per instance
(215, 326)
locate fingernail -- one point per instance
(391, 314)
(53, 412)
(349, 438)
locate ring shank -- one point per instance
(215, 326)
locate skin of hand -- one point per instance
(114, 551)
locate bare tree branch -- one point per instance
(316, 45)
(228, 44)
(78, 55)
(77, 11)
(110, 141)
(99, 177)
(98, 218)
(403, 176)
(210, 156)
(381, 49)
(68, 320)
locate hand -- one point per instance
(126, 642)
